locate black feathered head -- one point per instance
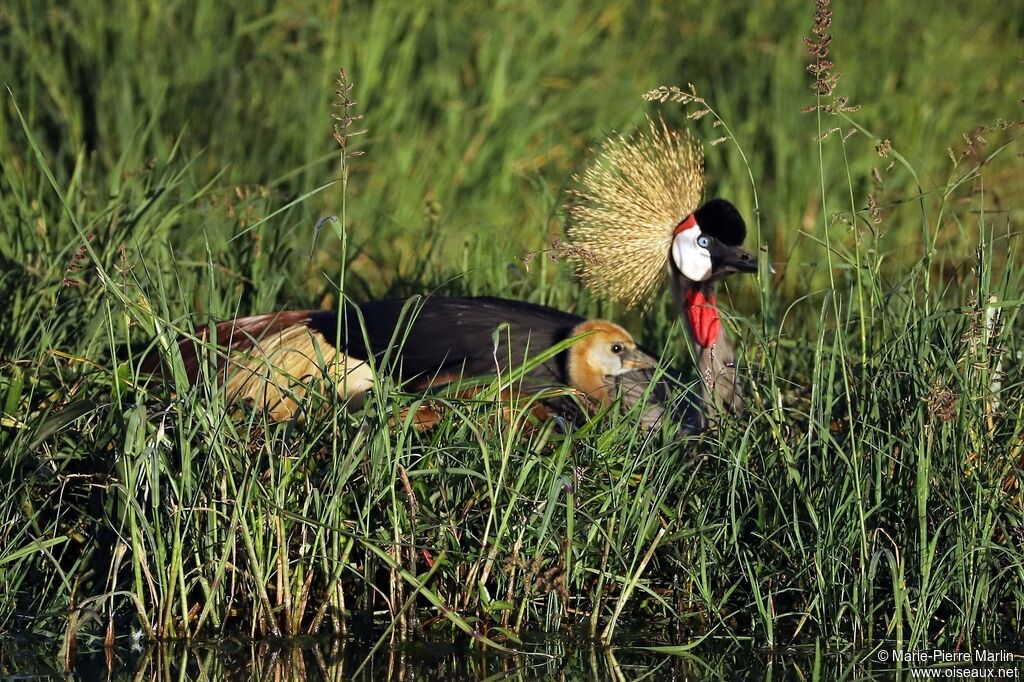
(706, 245)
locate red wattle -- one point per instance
(688, 222)
(703, 315)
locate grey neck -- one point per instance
(721, 385)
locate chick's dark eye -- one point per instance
(616, 348)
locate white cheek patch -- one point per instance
(692, 260)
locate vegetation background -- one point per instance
(162, 164)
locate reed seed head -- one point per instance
(345, 120)
(628, 203)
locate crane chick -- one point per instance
(605, 352)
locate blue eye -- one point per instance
(703, 241)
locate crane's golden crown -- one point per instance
(628, 202)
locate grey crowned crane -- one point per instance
(637, 215)
(423, 343)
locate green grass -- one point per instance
(174, 163)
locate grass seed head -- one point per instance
(345, 120)
(628, 203)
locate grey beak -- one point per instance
(737, 259)
(634, 358)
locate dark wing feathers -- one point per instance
(424, 340)
(445, 336)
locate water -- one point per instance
(543, 659)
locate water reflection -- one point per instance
(549, 659)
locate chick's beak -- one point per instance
(634, 358)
